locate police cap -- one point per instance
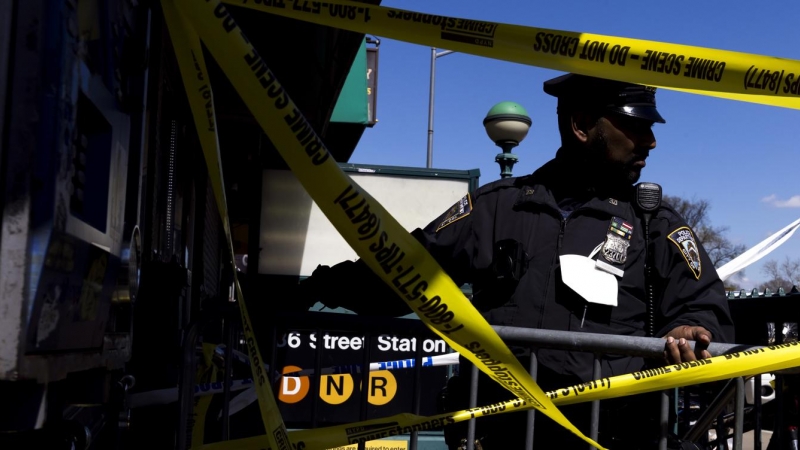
(629, 99)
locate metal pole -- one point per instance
(416, 400)
(473, 402)
(430, 108)
(738, 425)
(687, 406)
(594, 425)
(664, 421)
(757, 407)
(365, 387)
(434, 55)
(601, 343)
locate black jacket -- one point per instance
(526, 213)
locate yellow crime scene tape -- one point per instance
(192, 66)
(749, 362)
(719, 73)
(745, 363)
(207, 372)
(386, 247)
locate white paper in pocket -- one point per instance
(594, 285)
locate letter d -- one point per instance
(285, 386)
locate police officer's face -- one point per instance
(622, 143)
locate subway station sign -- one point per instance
(338, 393)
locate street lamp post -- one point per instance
(507, 124)
(434, 55)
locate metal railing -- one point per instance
(596, 344)
(599, 344)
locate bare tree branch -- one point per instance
(785, 274)
(771, 268)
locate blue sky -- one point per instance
(744, 158)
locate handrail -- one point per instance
(602, 343)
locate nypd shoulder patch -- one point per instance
(683, 238)
(461, 209)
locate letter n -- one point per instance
(339, 388)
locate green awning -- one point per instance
(353, 103)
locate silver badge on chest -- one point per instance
(615, 249)
(618, 239)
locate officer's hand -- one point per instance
(312, 290)
(677, 349)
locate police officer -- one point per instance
(511, 239)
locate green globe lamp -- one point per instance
(507, 124)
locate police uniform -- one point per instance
(525, 211)
(507, 239)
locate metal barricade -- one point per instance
(596, 344)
